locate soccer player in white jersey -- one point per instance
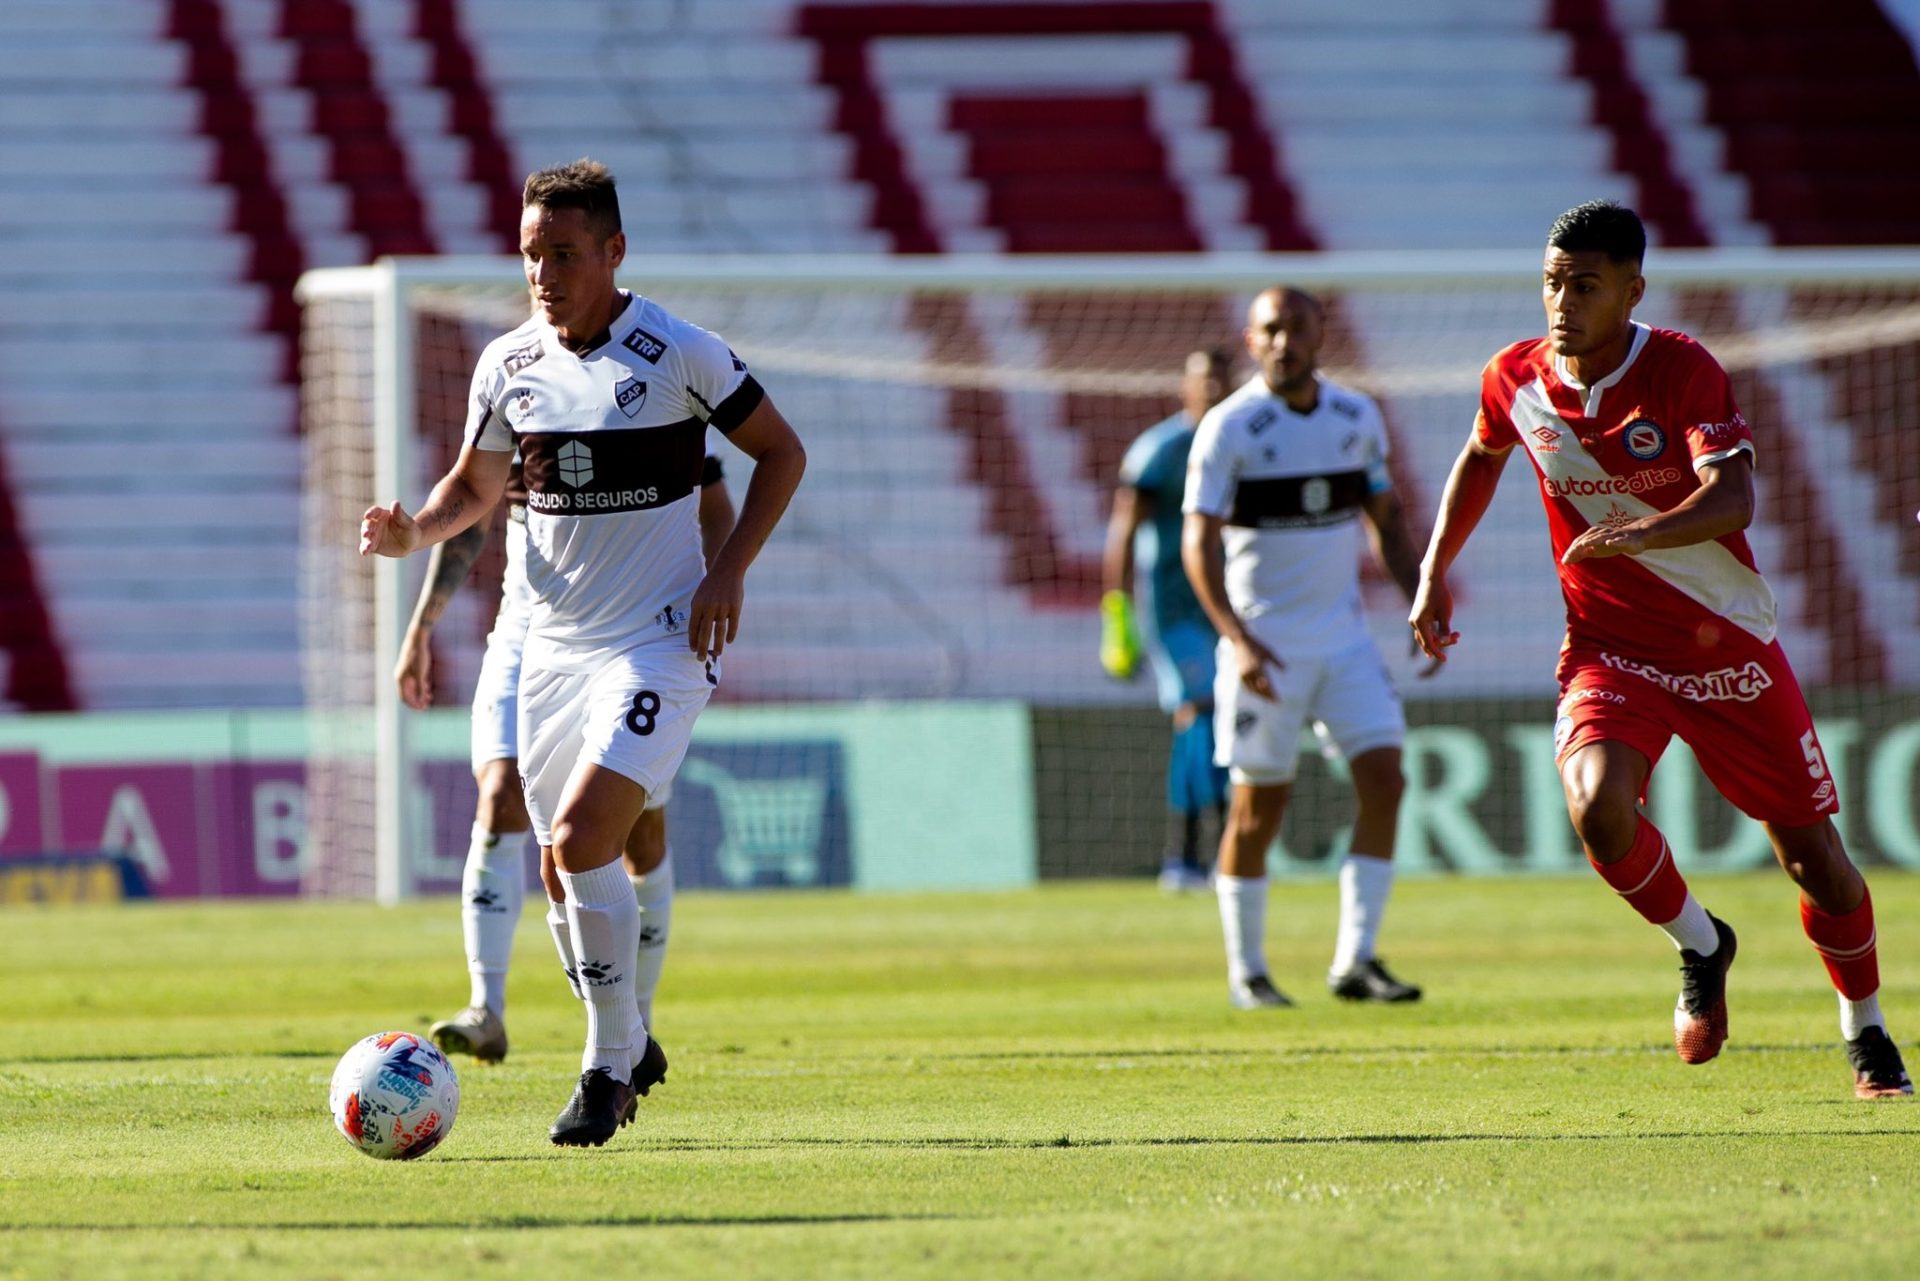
(1279, 477)
(607, 396)
(493, 881)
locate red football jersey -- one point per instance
(1627, 447)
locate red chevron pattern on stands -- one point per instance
(260, 207)
(456, 72)
(351, 112)
(36, 675)
(1640, 147)
(1821, 116)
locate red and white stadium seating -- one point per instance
(167, 169)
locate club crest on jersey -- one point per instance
(1644, 439)
(632, 396)
(645, 345)
(576, 463)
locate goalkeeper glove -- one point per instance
(1119, 642)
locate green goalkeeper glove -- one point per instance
(1119, 642)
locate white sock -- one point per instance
(1693, 928)
(1243, 922)
(1857, 1016)
(563, 940)
(1365, 883)
(492, 888)
(654, 893)
(604, 921)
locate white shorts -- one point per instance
(496, 695)
(633, 715)
(1348, 696)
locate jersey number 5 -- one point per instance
(645, 712)
(1816, 763)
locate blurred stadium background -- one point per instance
(191, 672)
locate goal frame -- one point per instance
(389, 283)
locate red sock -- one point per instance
(1846, 946)
(1646, 877)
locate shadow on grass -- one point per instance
(509, 1223)
(968, 1144)
(1655, 1049)
(182, 1056)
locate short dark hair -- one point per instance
(1600, 226)
(585, 184)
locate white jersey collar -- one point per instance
(1590, 396)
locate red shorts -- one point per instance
(1748, 724)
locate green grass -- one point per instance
(1023, 1085)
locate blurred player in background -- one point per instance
(607, 397)
(1281, 474)
(1162, 616)
(1646, 472)
(493, 883)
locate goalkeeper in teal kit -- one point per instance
(1148, 606)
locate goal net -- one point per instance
(916, 693)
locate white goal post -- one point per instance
(963, 415)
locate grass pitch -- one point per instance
(1023, 1085)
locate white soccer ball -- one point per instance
(394, 1096)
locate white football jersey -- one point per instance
(612, 445)
(1290, 488)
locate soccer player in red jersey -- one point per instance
(1646, 473)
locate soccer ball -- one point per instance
(394, 1096)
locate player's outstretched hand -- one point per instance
(413, 673)
(388, 531)
(714, 618)
(1605, 540)
(1432, 620)
(1253, 659)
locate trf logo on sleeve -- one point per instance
(645, 345)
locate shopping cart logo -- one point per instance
(769, 827)
(762, 815)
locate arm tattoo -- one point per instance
(447, 568)
(447, 515)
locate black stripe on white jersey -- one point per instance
(1298, 502)
(595, 473)
(734, 410)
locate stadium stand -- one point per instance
(199, 154)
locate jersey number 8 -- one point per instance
(645, 712)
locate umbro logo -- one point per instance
(1549, 439)
(645, 345)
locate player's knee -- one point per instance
(502, 806)
(1603, 817)
(1814, 857)
(1379, 782)
(579, 847)
(1256, 809)
(647, 847)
